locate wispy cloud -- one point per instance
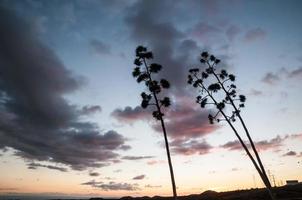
(270, 78)
(100, 47)
(37, 165)
(94, 174)
(254, 34)
(136, 157)
(112, 186)
(140, 177)
(290, 153)
(263, 145)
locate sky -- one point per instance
(70, 117)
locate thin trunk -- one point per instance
(165, 136)
(264, 177)
(169, 160)
(167, 148)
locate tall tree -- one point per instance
(143, 72)
(217, 88)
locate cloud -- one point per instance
(254, 92)
(234, 169)
(297, 73)
(136, 157)
(254, 34)
(232, 31)
(130, 115)
(9, 189)
(185, 125)
(190, 147)
(94, 174)
(164, 39)
(205, 31)
(294, 136)
(112, 186)
(100, 47)
(37, 165)
(290, 153)
(140, 177)
(88, 110)
(186, 122)
(153, 186)
(155, 162)
(92, 183)
(35, 118)
(270, 78)
(263, 145)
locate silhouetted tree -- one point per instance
(217, 88)
(143, 73)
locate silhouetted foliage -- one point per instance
(143, 73)
(218, 89)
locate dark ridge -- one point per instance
(290, 192)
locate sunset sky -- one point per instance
(70, 116)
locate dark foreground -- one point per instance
(293, 192)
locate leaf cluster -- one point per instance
(143, 72)
(223, 84)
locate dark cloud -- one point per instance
(273, 144)
(270, 78)
(254, 34)
(94, 174)
(100, 47)
(290, 153)
(140, 177)
(37, 165)
(136, 157)
(164, 39)
(88, 110)
(35, 118)
(112, 186)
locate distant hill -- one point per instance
(293, 192)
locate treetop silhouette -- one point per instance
(143, 72)
(217, 88)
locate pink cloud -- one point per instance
(190, 147)
(130, 115)
(185, 122)
(263, 145)
(155, 162)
